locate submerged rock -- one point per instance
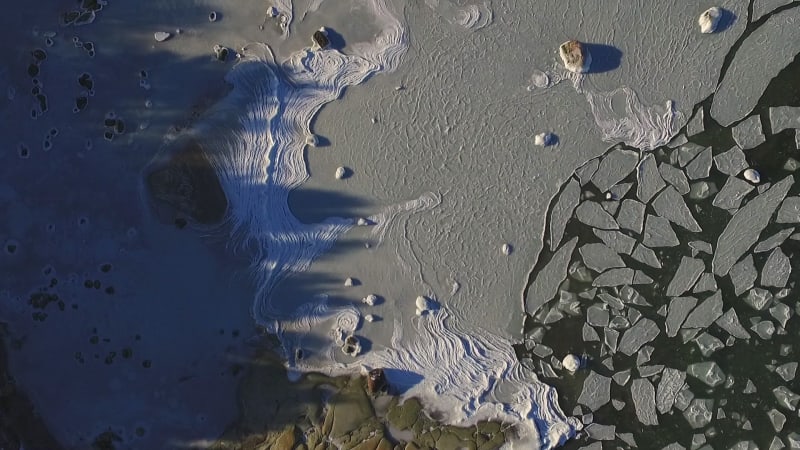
(709, 20)
(575, 56)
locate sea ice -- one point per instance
(638, 335)
(589, 334)
(696, 125)
(592, 446)
(701, 247)
(764, 329)
(783, 117)
(731, 162)
(754, 65)
(787, 371)
(617, 241)
(706, 313)
(758, 298)
(686, 153)
(675, 177)
(670, 205)
(614, 277)
(699, 412)
(706, 283)
(789, 211)
(610, 339)
(702, 190)
(600, 257)
(773, 241)
(685, 276)
(700, 166)
(679, 308)
(786, 398)
(730, 323)
(631, 215)
(644, 401)
(618, 191)
(647, 256)
(614, 167)
(622, 378)
(708, 344)
(640, 277)
(708, 372)
(627, 438)
(732, 193)
(781, 313)
(764, 7)
(659, 233)
(562, 211)
(776, 270)
(587, 170)
(545, 285)
(596, 391)
(777, 418)
(748, 133)
(743, 274)
(593, 215)
(672, 380)
(649, 181)
(776, 444)
(746, 225)
(601, 432)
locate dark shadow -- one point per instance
(335, 40)
(605, 58)
(726, 21)
(322, 141)
(400, 380)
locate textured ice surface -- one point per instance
(679, 308)
(648, 178)
(743, 274)
(616, 240)
(708, 372)
(615, 277)
(687, 153)
(644, 401)
(729, 322)
(755, 63)
(646, 255)
(783, 117)
(659, 233)
(671, 382)
(700, 166)
(789, 211)
(675, 177)
(758, 298)
(592, 214)
(699, 412)
(773, 241)
(731, 162)
(669, 204)
(614, 167)
(708, 344)
(776, 270)
(687, 274)
(787, 371)
(562, 211)
(706, 283)
(732, 193)
(631, 215)
(695, 125)
(764, 7)
(638, 335)
(746, 225)
(600, 257)
(545, 286)
(596, 391)
(748, 133)
(705, 313)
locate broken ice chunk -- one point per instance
(706, 283)
(617, 241)
(777, 419)
(675, 177)
(644, 401)
(601, 432)
(687, 274)
(622, 378)
(789, 211)
(748, 133)
(706, 313)
(646, 256)
(730, 323)
(783, 117)
(611, 301)
(596, 391)
(672, 380)
(731, 162)
(627, 438)
(597, 316)
(695, 126)
(786, 397)
(631, 215)
(614, 277)
(562, 211)
(593, 446)
(787, 371)
(749, 387)
(708, 372)
(743, 274)
(638, 335)
(649, 371)
(614, 167)
(688, 152)
(776, 270)
(545, 285)
(593, 215)
(746, 225)
(676, 446)
(589, 334)
(649, 181)
(587, 170)
(619, 190)
(781, 313)
(698, 414)
(764, 329)
(670, 205)
(758, 298)
(700, 166)
(702, 190)
(773, 241)
(610, 338)
(599, 257)
(640, 277)
(732, 193)
(701, 247)
(659, 233)
(708, 344)
(679, 308)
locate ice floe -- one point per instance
(731, 162)
(748, 133)
(596, 391)
(675, 177)
(659, 233)
(784, 117)
(776, 270)
(644, 401)
(732, 193)
(669, 204)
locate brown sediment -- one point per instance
(188, 184)
(20, 426)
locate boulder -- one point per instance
(575, 56)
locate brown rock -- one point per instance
(321, 38)
(575, 56)
(376, 381)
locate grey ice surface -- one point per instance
(675, 177)
(646, 255)
(701, 247)
(619, 190)
(616, 240)
(601, 432)
(786, 397)
(763, 7)
(622, 377)
(659, 233)
(743, 274)
(545, 286)
(596, 391)
(592, 446)
(685, 276)
(748, 133)
(776, 444)
(640, 277)
(781, 313)
(649, 181)
(732, 193)
(706, 283)
(700, 166)
(562, 212)
(787, 371)
(597, 316)
(628, 439)
(670, 205)
(783, 117)
(686, 153)
(776, 270)
(746, 225)
(754, 65)
(587, 170)
(611, 301)
(773, 241)
(758, 298)
(644, 401)
(708, 344)
(674, 446)
(593, 215)
(671, 382)
(731, 162)
(631, 215)
(589, 334)
(706, 313)
(699, 412)
(708, 372)
(777, 418)
(764, 329)
(679, 308)
(789, 211)
(730, 323)
(695, 125)
(614, 277)
(614, 167)
(599, 257)
(644, 331)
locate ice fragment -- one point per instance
(672, 380)
(545, 285)
(783, 117)
(731, 162)
(730, 323)
(562, 211)
(687, 274)
(706, 313)
(593, 215)
(614, 167)
(659, 233)
(773, 241)
(638, 335)
(700, 166)
(675, 177)
(644, 401)
(708, 372)
(776, 270)
(631, 215)
(596, 391)
(748, 133)
(732, 193)
(679, 308)
(600, 257)
(699, 414)
(649, 181)
(789, 211)
(670, 205)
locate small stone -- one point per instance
(320, 38)
(341, 173)
(376, 381)
(212, 16)
(544, 139)
(506, 249)
(752, 176)
(312, 140)
(709, 20)
(161, 36)
(571, 363)
(370, 300)
(575, 57)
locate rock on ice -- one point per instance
(571, 363)
(575, 56)
(752, 176)
(544, 139)
(161, 36)
(709, 20)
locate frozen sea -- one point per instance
(362, 183)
